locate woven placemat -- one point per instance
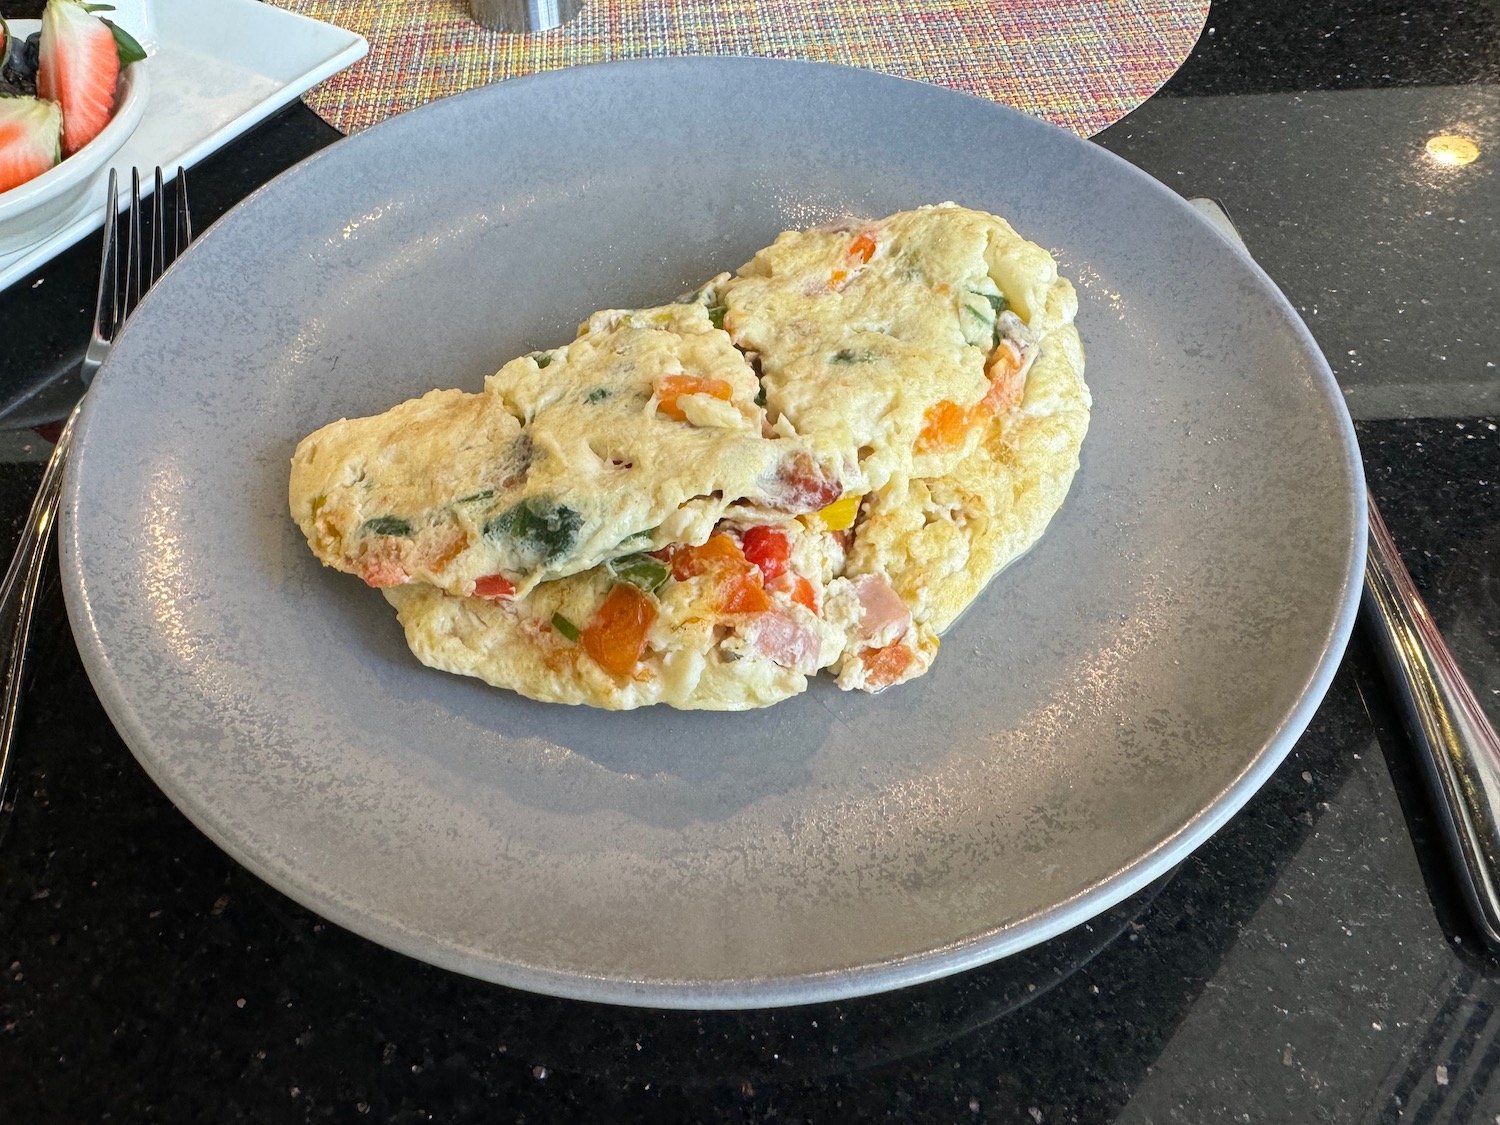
(1081, 64)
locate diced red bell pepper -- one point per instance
(494, 586)
(770, 549)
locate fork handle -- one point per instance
(19, 587)
(1458, 746)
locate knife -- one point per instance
(1454, 740)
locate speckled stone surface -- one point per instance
(1308, 963)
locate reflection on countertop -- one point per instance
(1390, 256)
(1309, 963)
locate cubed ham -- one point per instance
(883, 615)
(800, 486)
(786, 640)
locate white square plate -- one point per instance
(217, 68)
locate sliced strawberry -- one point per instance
(30, 136)
(79, 68)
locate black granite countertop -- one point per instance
(1310, 962)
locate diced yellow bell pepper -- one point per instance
(840, 514)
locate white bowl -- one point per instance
(34, 210)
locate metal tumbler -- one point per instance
(523, 15)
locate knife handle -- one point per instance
(1458, 747)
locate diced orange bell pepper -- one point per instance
(616, 635)
(863, 247)
(944, 427)
(688, 562)
(669, 388)
(737, 581)
(1003, 396)
(743, 593)
(445, 552)
(797, 588)
(1007, 386)
(884, 666)
(804, 594)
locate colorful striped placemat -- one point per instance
(1081, 64)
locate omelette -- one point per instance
(642, 432)
(814, 464)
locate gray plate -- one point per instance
(1111, 700)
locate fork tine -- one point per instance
(121, 285)
(133, 248)
(107, 304)
(109, 270)
(183, 234)
(158, 228)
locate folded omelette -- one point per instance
(816, 463)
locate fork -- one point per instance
(120, 290)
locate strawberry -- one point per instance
(79, 68)
(30, 135)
